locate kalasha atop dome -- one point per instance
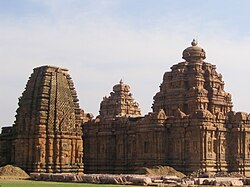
(121, 87)
(194, 52)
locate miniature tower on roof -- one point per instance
(119, 103)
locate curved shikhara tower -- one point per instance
(47, 134)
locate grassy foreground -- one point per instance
(29, 183)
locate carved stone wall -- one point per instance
(124, 145)
(47, 134)
(192, 126)
(5, 145)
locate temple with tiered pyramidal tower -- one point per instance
(191, 126)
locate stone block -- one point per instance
(140, 180)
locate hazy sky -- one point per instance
(102, 41)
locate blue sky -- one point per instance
(102, 41)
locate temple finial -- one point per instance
(194, 42)
(121, 81)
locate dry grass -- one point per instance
(160, 170)
(10, 171)
(30, 183)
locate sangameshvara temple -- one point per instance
(192, 125)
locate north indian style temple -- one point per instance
(192, 125)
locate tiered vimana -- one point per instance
(119, 103)
(191, 85)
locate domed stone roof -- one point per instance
(194, 52)
(121, 87)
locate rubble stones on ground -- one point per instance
(246, 181)
(90, 179)
(172, 180)
(201, 174)
(94, 178)
(226, 174)
(141, 179)
(237, 183)
(219, 181)
(187, 181)
(106, 179)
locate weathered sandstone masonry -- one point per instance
(47, 134)
(192, 125)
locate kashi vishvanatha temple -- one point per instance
(192, 125)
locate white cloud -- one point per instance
(99, 54)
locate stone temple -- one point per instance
(192, 125)
(47, 134)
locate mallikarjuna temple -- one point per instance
(192, 125)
